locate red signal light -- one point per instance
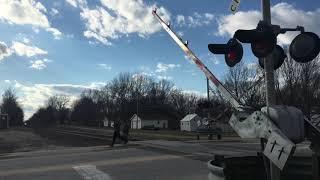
(233, 51)
(232, 55)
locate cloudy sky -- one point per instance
(65, 46)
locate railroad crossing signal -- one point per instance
(233, 51)
(304, 47)
(262, 39)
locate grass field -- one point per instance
(20, 139)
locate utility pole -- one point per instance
(208, 90)
(137, 117)
(269, 80)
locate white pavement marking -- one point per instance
(110, 162)
(90, 172)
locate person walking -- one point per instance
(121, 131)
(124, 132)
(116, 132)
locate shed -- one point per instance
(190, 122)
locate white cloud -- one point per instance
(55, 32)
(121, 17)
(90, 34)
(77, 3)
(105, 66)
(159, 72)
(180, 33)
(283, 14)
(196, 20)
(4, 50)
(39, 64)
(22, 49)
(143, 74)
(33, 96)
(26, 40)
(72, 3)
(36, 30)
(24, 12)
(164, 77)
(198, 93)
(54, 12)
(180, 19)
(96, 85)
(162, 68)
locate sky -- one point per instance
(66, 46)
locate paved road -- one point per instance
(151, 160)
(101, 163)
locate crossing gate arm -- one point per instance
(184, 46)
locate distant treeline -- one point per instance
(118, 100)
(296, 85)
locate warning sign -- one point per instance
(234, 6)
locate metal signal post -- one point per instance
(269, 80)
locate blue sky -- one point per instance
(65, 46)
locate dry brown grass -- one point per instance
(20, 139)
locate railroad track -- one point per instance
(84, 132)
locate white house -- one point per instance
(107, 123)
(144, 120)
(190, 122)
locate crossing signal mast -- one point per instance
(271, 122)
(304, 47)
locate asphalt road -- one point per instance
(100, 163)
(150, 160)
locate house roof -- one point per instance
(189, 117)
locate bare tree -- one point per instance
(246, 84)
(299, 84)
(11, 107)
(58, 102)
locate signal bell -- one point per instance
(233, 51)
(278, 57)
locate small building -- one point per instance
(149, 121)
(107, 123)
(4, 121)
(190, 122)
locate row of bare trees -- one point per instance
(54, 112)
(296, 85)
(299, 85)
(118, 100)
